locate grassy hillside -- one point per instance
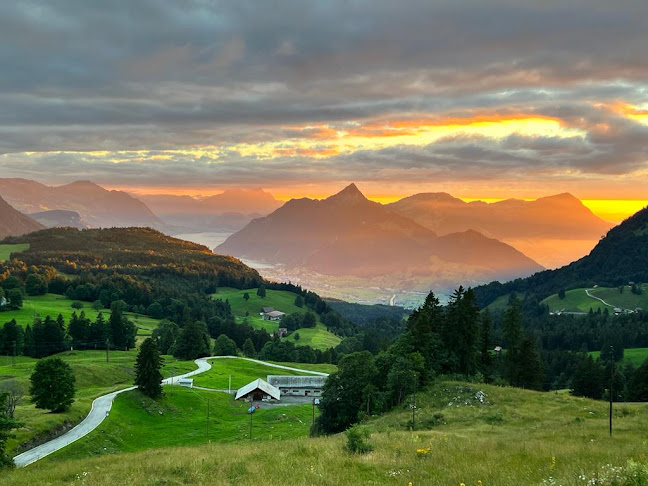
(7, 250)
(499, 304)
(53, 305)
(282, 300)
(577, 300)
(242, 372)
(505, 437)
(94, 377)
(138, 423)
(636, 356)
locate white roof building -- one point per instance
(258, 390)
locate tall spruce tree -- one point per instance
(147, 369)
(193, 342)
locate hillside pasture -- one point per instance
(282, 300)
(636, 356)
(180, 417)
(577, 300)
(242, 373)
(53, 305)
(465, 433)
(94, 377)
(7, 250)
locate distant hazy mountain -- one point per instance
(559, 216)
(231, 210)
(95, 205)
(15, 223)
(60, 218)
(619, 258)
(554, 230)
(347, 234)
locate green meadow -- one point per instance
(53, 305)
(94, 377)
(180, 417)
(577, 300)
(465, 433)
(7, 250)
(282, 300)
(636, 356)
(242, 373)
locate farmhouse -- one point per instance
(298, 386)
(3, 301)
(274, 315)
(258, 390)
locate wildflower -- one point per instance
(479, 483)
(553, 462)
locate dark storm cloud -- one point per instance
(164, 75)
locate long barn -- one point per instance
(298, 386)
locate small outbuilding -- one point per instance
(258, 390)
(187, 382)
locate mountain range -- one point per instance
(15, 223)
(230, 210)
(96, 206)
(348, 235)
(553, 230)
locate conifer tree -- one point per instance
(147, 369)
(248, 348)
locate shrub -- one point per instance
(358, 440)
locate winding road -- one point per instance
(102, 405)
(587, 291)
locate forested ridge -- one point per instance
(620, 257)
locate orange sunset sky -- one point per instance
(480, 100)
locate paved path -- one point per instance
(102, 405)
(587, 291)
(100, 408)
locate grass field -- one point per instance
(577, 300)
(7, 250)
(636, 356)
(500, 304)
(242, 372)
(138, 423)
(321, 367)
(94, 377)
(53, 305)
(505, 437)
(282, 300)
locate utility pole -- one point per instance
(611, 385)
(251, 413)
(229, 388)
(414, 412)
(208, 421)
(13, 359)
(107, 349)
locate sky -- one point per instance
(481, 99)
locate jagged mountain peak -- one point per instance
(349, 195)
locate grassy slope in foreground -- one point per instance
(282, 300)
(138, 423)
(94, 377)
(7, 250)
(242, 373)
(509, 440)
